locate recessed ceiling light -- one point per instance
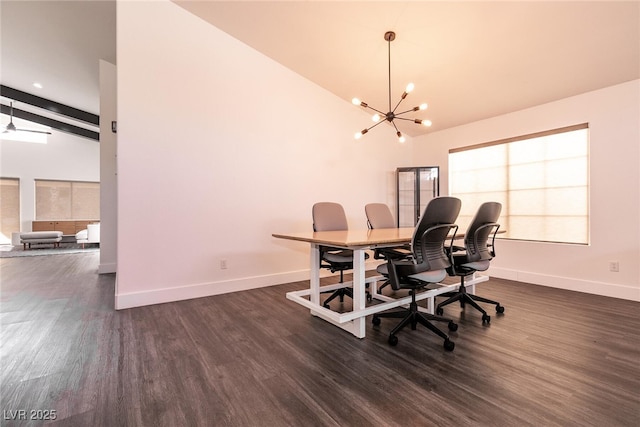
(38, 85)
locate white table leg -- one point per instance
(314, 275)
(359, 291)
(430, 304)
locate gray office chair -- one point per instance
(428, 265)
(476, 255)
(328, 216)
(379, 216)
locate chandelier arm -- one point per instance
(405, 118)
(398, 104)
(377, 111)
(369, 128)
(408, 111)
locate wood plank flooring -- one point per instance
(253, 358)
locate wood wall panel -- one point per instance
(67, 227)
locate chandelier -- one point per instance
(379, 116)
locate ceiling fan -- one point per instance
(12, 128)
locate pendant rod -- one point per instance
(389, 36)
(389, 57)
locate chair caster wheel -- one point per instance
(375, 320)
(453, 326)
(439, 311)
(369, 298)
(393, 340)
(499, 308)
(449, 345)
(486, 318)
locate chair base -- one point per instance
(341, 293)
(412, 317)
(466, 298)
(384, 285)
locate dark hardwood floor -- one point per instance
(253, 358)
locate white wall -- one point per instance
(613, 115)
(64, 157)
(108, 182)
(218, 147)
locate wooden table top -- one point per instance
(352, 238)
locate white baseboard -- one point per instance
(591, 287)
(107, 268)
(160, 296)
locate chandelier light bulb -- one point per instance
(423, 106)
(409, 88)
(401, 138)
(356, 101)
(375, 117)
(362, 132)
(426, 123)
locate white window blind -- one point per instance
(9, 206)
(67, 200)
(542, 181)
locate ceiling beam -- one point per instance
(45, 104)
(54, 124)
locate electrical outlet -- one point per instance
(223, 264)
(614, 266)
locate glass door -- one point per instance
(416, 186)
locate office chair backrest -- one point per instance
(483, 225)
(328, 216)
(427, 243)
(379, 216)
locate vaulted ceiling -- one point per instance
(468, 60)
(58, 44)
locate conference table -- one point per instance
(359, 241)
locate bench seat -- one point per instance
(33, 237)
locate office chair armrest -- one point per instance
(494, 227)
(391, 253)
(432, 247)
(398, 269)
(451, 250)
(492, 245)
(458, 268)
(405, 267)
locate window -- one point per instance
(542, 181)
(9, 206)
(67, 200)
